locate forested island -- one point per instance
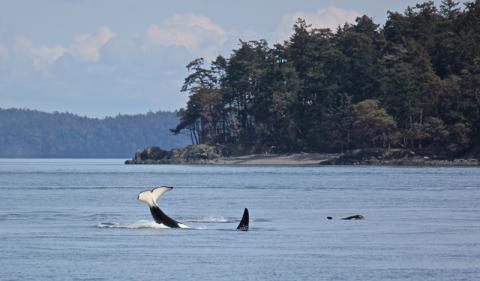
(412, 84)
(34, 134)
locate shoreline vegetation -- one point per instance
(412, 84)
(210, 155)
(405, 93)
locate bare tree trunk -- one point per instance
(195, 133)
(191, 136)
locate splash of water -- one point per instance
(209, 219)
(135, 225)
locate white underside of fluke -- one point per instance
(151, 196)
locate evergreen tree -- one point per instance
(412, 83)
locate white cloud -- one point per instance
(188, 33)
(47, 55)
(135, 71)
(38, 56)
(87, 46)
(198, 34)
(330, 17)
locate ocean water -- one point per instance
(80, 220)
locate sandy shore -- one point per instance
(306, 159)
(313, 159)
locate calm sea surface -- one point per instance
(80, 220)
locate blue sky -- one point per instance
(103, 57)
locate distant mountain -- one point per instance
(31, 133)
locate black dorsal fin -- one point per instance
(243, 225)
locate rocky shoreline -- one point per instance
(192, 154)
(205, 154)
(395, 157)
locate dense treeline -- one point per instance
(28, 133)
(413, 83)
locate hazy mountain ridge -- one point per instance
(32, 133)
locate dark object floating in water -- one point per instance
(354, 217)
(243, 225)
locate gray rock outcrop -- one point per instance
(192, 154)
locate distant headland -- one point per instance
(405, 93)
(28, 133)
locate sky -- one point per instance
(106, 57)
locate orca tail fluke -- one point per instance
(243, 225)
(150, 197)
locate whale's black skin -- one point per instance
(354, 217)
(161, 218)
(243, 225)
(151, 196)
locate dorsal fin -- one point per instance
(243, 225)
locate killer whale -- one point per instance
(151, 196)
(243, 225)
(353, 217)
